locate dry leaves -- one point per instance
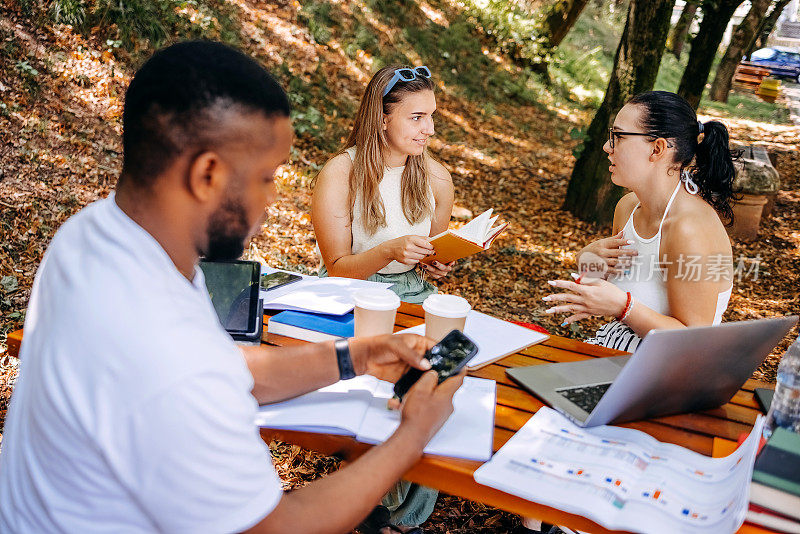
(60, 150)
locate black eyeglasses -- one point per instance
(612, 134)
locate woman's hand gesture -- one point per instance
(408, 249)
(592, 296)
(606, 256)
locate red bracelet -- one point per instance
(627, 309)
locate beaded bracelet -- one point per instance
(627, 310)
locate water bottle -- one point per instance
(785, 409)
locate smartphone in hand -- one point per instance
(447, 358)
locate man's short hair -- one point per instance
(171, 103)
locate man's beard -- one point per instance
(227, 232)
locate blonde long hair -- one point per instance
(372, 148)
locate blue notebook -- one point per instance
(312, 326)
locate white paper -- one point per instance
(468, 433)
(357, 407)
(495, 338)
(475, 230)
(622, 478)
(335, 409)
(331, 295)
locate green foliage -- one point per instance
(308, 98)
(581, 66)
(147, 24)
(135, 19)
(308, 120)
(72, 12)
(317, 17)
(26, 70)
(670, 72)
(8, 284)
(516, 32)
(29, 75)
(747, 106)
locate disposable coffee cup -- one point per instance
(444, 313)
(375, 311)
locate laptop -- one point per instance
(671, 371)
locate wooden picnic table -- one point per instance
(704, 432)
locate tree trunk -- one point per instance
(716, 15)
(559, 18)
(766, 27)
(681, 29)
(591, 195)
(742, 36)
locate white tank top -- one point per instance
(396, 223)
(646, 281)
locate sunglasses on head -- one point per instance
(406, 75)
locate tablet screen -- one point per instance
(233, 286)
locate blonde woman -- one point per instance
(378, 200)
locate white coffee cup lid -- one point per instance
(376, 299)
(450, 306)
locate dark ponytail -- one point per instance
(706, 156)
(713, 170)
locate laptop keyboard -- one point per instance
(586, 397)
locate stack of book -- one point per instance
(775, 489)
(314, 327)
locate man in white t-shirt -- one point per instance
(134, 411)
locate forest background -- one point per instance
(513, 111)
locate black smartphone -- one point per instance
(447, 358)
(764, 398)
(278, 279)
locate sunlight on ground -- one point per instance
(433, 14)
(779, 136)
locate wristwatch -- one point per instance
(346, 370)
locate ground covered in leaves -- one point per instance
(60, 124)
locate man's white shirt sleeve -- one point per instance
(194, 459)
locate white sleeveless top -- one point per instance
(646, 281)
(396, 223)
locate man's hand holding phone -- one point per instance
(426, 406)
(389, 356)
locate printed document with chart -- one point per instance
(622, 478)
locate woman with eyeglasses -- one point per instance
(669, 262)
(378, 200)
(375, 204)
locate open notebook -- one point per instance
(357, 407)
(495, 338)
(475, 236)
(330, 295)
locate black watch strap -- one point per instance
(344, 360)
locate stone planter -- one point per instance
(747, 217)
(758, 183)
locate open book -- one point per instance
(473, 237)
(357, 407)
(622, 478)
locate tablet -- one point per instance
(233, 287)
